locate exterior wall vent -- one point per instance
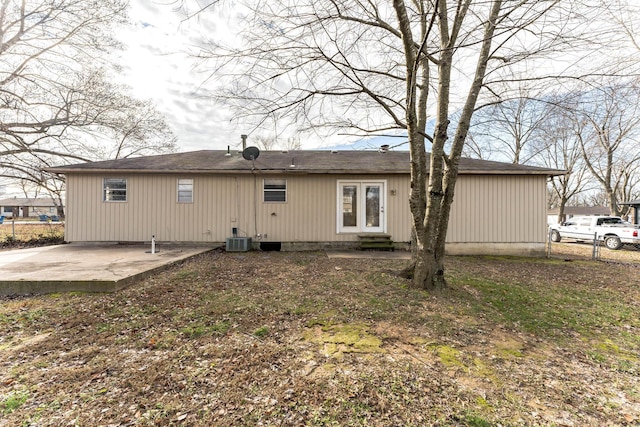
(238, 244)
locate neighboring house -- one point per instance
(635, 204)
(298, 200)
(571, 211)
(27, 207)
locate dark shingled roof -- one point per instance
(311, 162)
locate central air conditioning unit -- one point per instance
(238, 244)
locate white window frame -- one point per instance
(266, 191)
(184, 188)
(107, 192)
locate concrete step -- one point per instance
(376, 245)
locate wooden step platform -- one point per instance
(375, 241)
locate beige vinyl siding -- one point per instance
(398, 213)
(310, 213)
(220, 202)
(486, 209)
(152, 209)
(497, 208)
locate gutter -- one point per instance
(290, 171)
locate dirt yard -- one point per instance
(291, 339)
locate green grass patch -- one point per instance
(261, 332)
(574, 306)
(14, 401)
(549, 311)
(186, 275)
(197, 330)
(449, 356)
(25, 318)
(473, 420)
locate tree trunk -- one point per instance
(426, 269)
(430, 206)
(561, 215)
(613, 202)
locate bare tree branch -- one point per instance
(57, 100)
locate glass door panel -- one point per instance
(350, 206)
(372, 214)
(373, 207)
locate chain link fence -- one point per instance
(20, 233)
(595, 249)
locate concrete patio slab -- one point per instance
(86, 268)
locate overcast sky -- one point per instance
(157, 67)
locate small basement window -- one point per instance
(114, 190)
(275, 190)
(185, 191)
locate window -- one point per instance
(185, 191)
(275, 190)
(114, 190)
(611, 221)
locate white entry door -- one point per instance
(361, 206)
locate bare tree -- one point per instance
(272, 143)
(558, 146)
(57, 101)
(609, 118)
(590, 133)
(265, 142)
(373, 67)
(292, 143)
(504, 129)
(596, 198)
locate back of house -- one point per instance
(298, 200)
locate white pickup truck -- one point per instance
(612, 229)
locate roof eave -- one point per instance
(228, 171)
(289, 170)
(508, 172)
